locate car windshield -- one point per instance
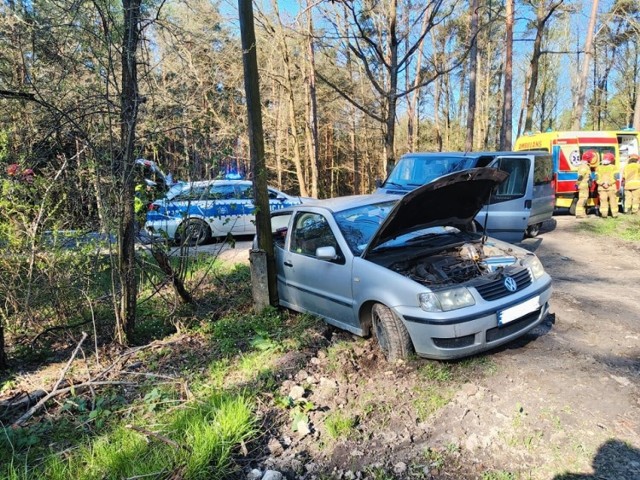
(413, 171)
(175, 190)
(359, 224)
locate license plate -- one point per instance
(510, 314)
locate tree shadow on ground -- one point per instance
(615, 460)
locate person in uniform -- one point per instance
(606, 176)
(589, 158)
(631, 182)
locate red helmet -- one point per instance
(608, 158)
(591, 157)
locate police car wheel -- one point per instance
(195, 232)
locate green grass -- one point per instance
(339, 425)
(155, 430)
(625, 227)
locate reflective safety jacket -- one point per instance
(584, 172)
(631, 176)
(606, 175)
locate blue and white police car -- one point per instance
(196, 212)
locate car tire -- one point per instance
(194, 232)
(533, 230)
(393, 337)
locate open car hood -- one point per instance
(450, 200)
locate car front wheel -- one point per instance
(195, 232)
(393, 338)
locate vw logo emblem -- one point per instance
(510, 284)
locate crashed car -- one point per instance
(196, 212)
(411, 270)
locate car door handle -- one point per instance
(288, 264)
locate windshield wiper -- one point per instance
(394, 184)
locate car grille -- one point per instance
(497, 333)
(456, 342)
(495, 289)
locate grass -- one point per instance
(625, 227)
(157, 430)
(339, 425)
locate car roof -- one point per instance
(339, 204)
(206, 183)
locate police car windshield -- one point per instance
(413, 171)
(175, 190)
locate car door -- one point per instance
(307, 283)
(224, 210)
(506, 215)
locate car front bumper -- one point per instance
(472, 334)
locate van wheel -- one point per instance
(533, 230)
(393, 337)
(194, 232)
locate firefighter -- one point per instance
(606, 176)
(631, 182)
(589, 158)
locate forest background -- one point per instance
(86, 87)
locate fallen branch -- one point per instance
(62, 391)
(68, 365)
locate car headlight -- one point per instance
(446, 300)
(534, 265)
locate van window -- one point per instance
(415, 171)
(515, 185)
(542, 170)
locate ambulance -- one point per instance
(567, 147)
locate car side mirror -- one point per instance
(326, 253)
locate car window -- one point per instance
(515, 185)
(279, 227)
(273, 194)
(414, 171)
(311, 231)
(542, 170)
(245, 192)
(222, 192)
(359, 224)
(193, 193)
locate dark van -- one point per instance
(519, 205)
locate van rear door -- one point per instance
(506, 216)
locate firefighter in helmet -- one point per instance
(631, 182)
(589, 158)
(606, 176)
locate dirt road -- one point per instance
(562, 402)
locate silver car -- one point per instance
(411, 269)
(194, 212)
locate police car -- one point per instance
(195, 212)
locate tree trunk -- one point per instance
(582, 80)
(128, 119)
(256, 144)
(473, 61)
(506, 129)
(286, 63)
(392, 97)
(412, 109)
(313, 113)
(543, 15)
(636, 109)
(3, 355)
